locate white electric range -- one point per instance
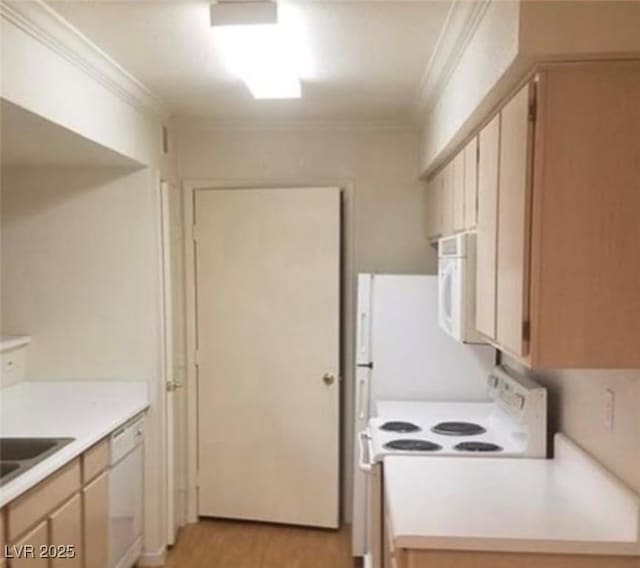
(512, 425)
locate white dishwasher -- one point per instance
(126, 487)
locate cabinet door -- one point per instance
(438, 204)
(96, 522)
(486, 265)
(471, 184)
(432, 212)
(35, 540)
(513, 224)
(457, 186)
(446, 200)
(65, 526)
(2, 543)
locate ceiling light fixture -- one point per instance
(259, 47)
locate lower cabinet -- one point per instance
(65, 531)
(26, 552)
(2, 543)
(63, 521)
(96, 522)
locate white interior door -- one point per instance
(268, 290)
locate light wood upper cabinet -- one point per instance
(585, 305)
(562, 250)
(556, 178)
(512, 276)
(432, 204)
(487, 228)
(449, 196)
(471, 184)
(457, 192)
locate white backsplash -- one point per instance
(577, 407)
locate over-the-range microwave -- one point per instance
(456, 287)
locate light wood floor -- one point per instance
(233, 544)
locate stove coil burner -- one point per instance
(412, 445)
(400, 427)
(458, 429)
(477, 447)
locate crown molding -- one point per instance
(44, 24)
(461, 22)
(186, 123)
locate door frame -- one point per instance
(347, 304)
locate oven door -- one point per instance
(373, 471)
(449, 296)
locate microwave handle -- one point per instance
(445, 307)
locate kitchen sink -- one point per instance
(17, 455)
(24, 448)
(7, 467)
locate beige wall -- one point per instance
(79, 265)
(81, 275)
(381, 161)
(80, 248)
(577, 408)
(490, 53)
(386, 208)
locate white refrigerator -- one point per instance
(402, 354)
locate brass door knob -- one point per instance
(328, 379)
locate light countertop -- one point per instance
(85, 410)
(566, 505)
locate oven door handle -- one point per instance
(364, 438)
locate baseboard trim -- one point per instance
(153, 558)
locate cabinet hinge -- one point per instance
(526, 330)
(533, 103)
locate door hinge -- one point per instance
(194, 233)
(196, 358)
(526, 330)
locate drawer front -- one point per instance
(95, 460)
(27, 510)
